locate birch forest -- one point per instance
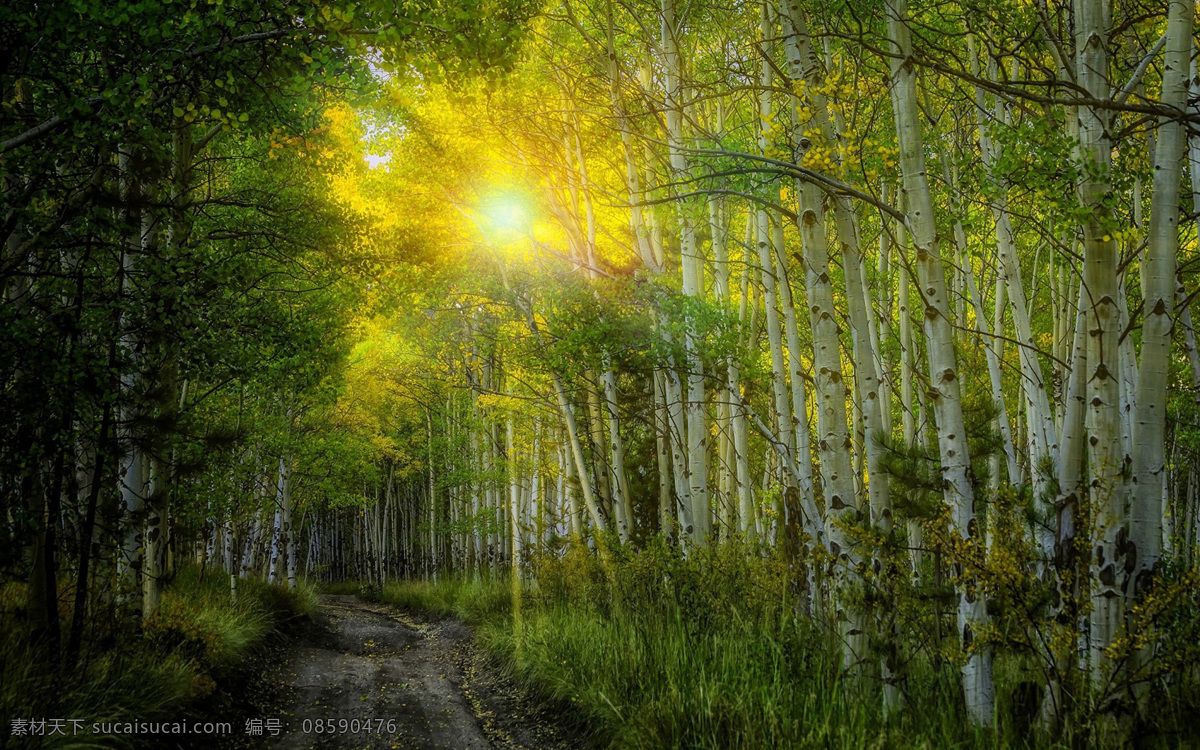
(746, 374)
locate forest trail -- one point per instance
(416, 681)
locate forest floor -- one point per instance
(420, 682)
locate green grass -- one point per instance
(651, 674)
(475, 601)
(197, 638)
(199, 618)
(668, 653)
(344, 587)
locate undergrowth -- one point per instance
(659, 651)
(152, 673)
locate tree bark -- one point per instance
(943, 366)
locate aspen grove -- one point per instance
(860, 329)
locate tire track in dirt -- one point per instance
(360, 661)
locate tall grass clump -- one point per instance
(477, 601)
(198, 637)
(199, 618)
(698, 652)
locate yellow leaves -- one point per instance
(787, 196)
(499, 402)
(831, 87)
(889, 156)
(770, 131)
(343, 121)
(822, 159)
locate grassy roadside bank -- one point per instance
(721, 666)
(668, 653)
(166, 671)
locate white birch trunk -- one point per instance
(696, 433)
(514, 495)
(662, 453)
(277, 532)
(1106, 456)
(1158, 273)
(431, 499)
(621, 500)
(943, 367)
(154, 541)
(783, 417)
(285, 504)
(908, 415)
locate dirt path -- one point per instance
(367, 676)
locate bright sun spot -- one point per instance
(508, 214)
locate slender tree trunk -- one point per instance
(943, 367)
(695, 435)
(621, 498)
(1147, 503)
(1105, 455)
